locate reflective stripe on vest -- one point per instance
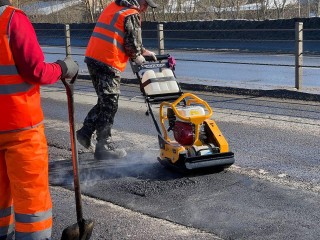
(15, 88)
(20, 100)
(107, 39)
(8, 70)
(111, 27)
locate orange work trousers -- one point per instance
(25, 201)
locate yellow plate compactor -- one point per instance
(188, 138)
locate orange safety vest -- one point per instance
(107, 40)
(20, 106)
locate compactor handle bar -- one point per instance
(159, 57)
(151, 64)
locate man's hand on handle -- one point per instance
(139, 60)
(69, 67)
(149, 54)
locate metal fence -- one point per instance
(167, 40)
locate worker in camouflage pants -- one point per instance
(115, 38)
(107, 86)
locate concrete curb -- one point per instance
(273, 93)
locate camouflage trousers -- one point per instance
(106, 83)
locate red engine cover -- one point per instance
(183, 133)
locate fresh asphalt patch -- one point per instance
(226, 203)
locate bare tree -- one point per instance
(280, 4)
(318, 8)
(234, 6)
(16, 3)
(89, 9)
(262, 8)
(308, 8)
(218, 8)
(192, 9)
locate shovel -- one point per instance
(81, 230)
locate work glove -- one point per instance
(69, 67)
(150, 54)
(139, 60)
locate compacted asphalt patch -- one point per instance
(231, 205)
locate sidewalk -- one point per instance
(252, 89)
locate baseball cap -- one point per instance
(151, 3)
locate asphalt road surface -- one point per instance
(271, 192)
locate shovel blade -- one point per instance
(79, 231)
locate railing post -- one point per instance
(160, 39)
(298, 55)
(67, 38)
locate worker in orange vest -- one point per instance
(25, 202)
(115, 38)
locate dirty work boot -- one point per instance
(84, 138)
(105, 150)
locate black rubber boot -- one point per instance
(84, 137)
(106, 150)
